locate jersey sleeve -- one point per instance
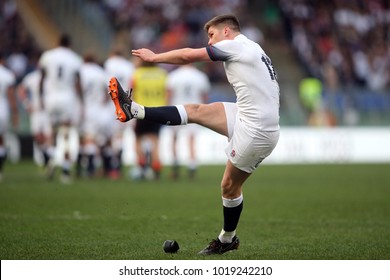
(226, 50)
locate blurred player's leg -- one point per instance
(2, 156)
(192, 164)
(175, 164)
(63, 133)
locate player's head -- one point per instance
(90, 57)
(65, 41)
(221, 28)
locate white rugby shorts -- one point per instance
(40, 123)
(63, 107)
(247, 147)
(4, 117)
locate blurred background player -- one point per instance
(149, 87)
(116, 65)
(7, 102)
(186, 85)
(28, 92)
(94, 88)
(62, 98)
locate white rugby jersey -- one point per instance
(93, 83)
(188, 85)
(120, 68)
(250, 72)
(31, 83)
(7, 79)
(61, 65)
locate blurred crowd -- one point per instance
(166, 24)
(157, 24)
(17, 44)
(343, 43)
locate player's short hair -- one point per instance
(90, 56)
(65, 40)
(229, 20)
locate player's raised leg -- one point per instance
(210, 115)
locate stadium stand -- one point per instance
(345, 44)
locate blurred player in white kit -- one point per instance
(62, 98)
(96, 129)
(39, 119)
(7, 107)
(186, 85)
(116, 65)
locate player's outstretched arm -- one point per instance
(179, 56)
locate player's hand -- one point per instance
(145, 54)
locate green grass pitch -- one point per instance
(291, 212)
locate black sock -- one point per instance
(118, 164)
(46, 158)
(231, 215)
(166, 115)
(2, 160)
(79, 165)
(91, 165)
(106, 153)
